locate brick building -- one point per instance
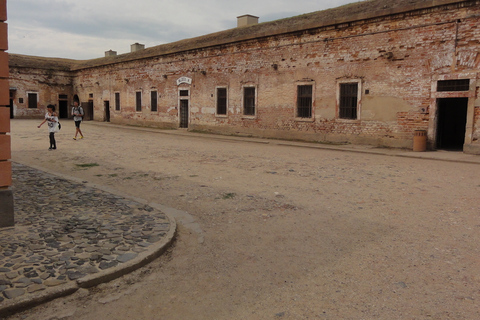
(371, 72)
(6, 195)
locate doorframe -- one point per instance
(106, 108)
(12, 95)
(63, 102)
(434, 99)
(460, 110)
(180, 99)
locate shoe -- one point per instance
(50, 149)
(74, 138)
(81, 137)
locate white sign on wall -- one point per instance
(184, 80)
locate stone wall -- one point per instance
(6, 195)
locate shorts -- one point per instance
(77, 123)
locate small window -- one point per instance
(348, 101)
(221, 101)
(62, 97)
(90, 95)
(304, 101)
(249, 101)
(183, 93)
(453, 85)
(138, 101)
(153, 101)
(20, 100)
(117, 101)
(32, 100)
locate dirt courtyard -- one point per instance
(271, 231)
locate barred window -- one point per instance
(138, 101)
(222, 101)
(453, 85)
(249, 101)
(117, 101)
(32, 100)
(153, 101)
(348, 101)
(304, 101)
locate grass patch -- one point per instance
(87, 165)
(113, 175)
(229, 195)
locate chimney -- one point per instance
(110, 53)
(136, 47)
(246, 20)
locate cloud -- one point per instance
(85, 29)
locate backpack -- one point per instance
(80, 110)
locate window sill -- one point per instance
(348, 120)
(305, 119)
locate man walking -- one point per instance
(78, 113)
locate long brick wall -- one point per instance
(396, 59)
(6, 195)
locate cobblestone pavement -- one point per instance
(66, 232)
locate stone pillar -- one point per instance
(6, 194)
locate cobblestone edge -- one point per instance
(9, 307)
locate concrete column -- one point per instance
(6, 194)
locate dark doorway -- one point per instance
(63, 109)
(451, 123)
(11, 108)
(88, 110)
(106, 105)
(183, 113)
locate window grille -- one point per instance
(117, 101)
(222, 101)
(62, 97)
(249, 101)
(183, 93)
(304, 101)
(32, 100)
(348, 100)
(453, 85)
(138, 99)
(153, 98)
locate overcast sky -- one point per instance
(85, 29)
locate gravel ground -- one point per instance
(273, 231)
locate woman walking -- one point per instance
(52, 122)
